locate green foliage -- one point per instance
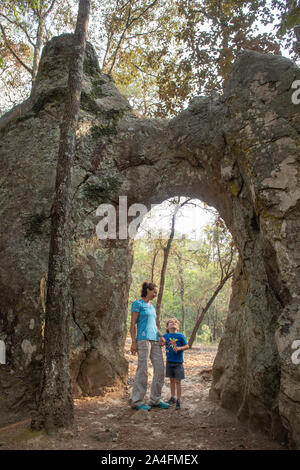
(291, 18)
(25, 26)
(160, 52)
(109, 125)
(101, 192)
(205, 335)
(87, 102)
(97, 88)
(103, 130)
(187, 48)
(34, 225)
(90, 69)
(201, 272)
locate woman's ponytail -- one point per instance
(147, 285)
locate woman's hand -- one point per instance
(133, 348)
(162, 341)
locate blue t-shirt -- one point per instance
(146, 322)
(173, 339)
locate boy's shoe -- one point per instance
(162, 404)
(178, 404)
(172, 401)
(143, 406)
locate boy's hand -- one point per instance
(176, 349)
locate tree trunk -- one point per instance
(181, 288)
(153, 265)
(204, 310)
(55, 404)
(38, 48)
(214, 333)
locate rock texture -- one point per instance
(238, 153)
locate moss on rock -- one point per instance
(34, 225)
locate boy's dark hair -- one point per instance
(147, 285)
(174, 319)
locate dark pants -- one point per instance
(175, 370)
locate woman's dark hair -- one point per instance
(145, 286)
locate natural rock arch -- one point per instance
(237, 152)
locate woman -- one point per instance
(147, 341)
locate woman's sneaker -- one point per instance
(172, 401)
(178, 404)
(162, 404)
(143, 406)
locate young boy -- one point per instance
(175, 345)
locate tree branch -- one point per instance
(13, 52)
(15, 23)
(219, 256)
(128, 25)
(50, 8)
(143, 12)
(204, 310)
(143, 34)
(120, 42)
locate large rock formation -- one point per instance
(238, 153)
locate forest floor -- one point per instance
(108, 423)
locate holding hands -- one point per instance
(133, 348)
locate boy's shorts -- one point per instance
(175, 370)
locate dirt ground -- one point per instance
(108, 423)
